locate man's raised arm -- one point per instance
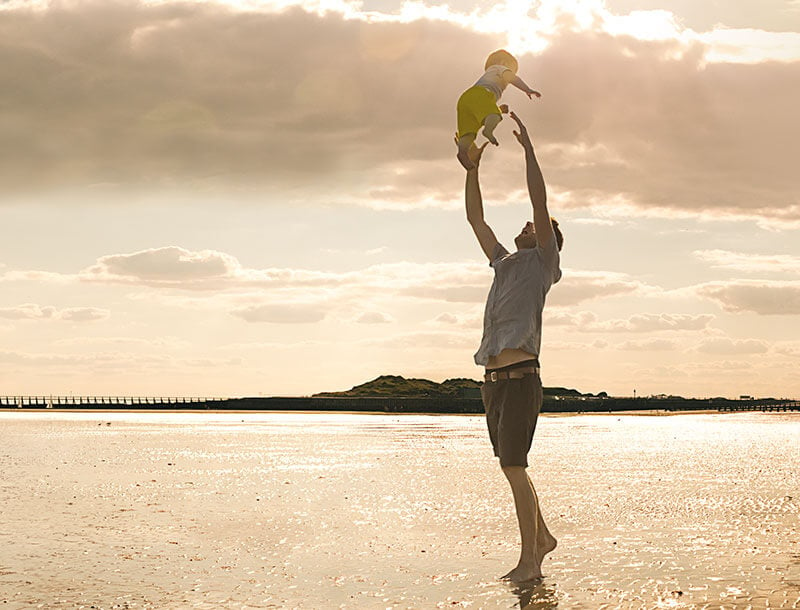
(536, 188)
(474, 203)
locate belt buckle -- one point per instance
(493, 376)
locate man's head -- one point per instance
(527, 237)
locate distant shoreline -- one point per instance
(389, 405)
(652, 412)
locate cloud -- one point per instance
(765, 297)
(374, 317)
(587, 321)
(725, 345)
(649, 345)
(791, 349)
(159, 343)
(167, 265)
(578, 347)
(84, 314)
(289, 313)
(426, 340)
(96, 360)
(578, 286)
(109, 362)
(750, 263)
(174, 267)
(31, 311)
(28, 311)
(641, 323)
(469, 320)
(111, 100)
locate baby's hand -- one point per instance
(532, 92)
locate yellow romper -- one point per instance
(480, 100)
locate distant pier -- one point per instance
(106, 402)
(790, 405)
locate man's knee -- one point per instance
(513, 472)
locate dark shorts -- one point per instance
(512, 407)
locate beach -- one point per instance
(340, 510)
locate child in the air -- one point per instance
(478, 105)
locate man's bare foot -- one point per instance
(547, 545)
(523, 573)
(463, 157)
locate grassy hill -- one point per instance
(399, 387)
(395, 386)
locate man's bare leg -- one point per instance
(545, 541)
(537, 540)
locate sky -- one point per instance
(261, 198)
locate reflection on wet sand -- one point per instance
(536, 595)
(279, 510)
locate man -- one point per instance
(512, 390)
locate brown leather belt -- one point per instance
(512, 374)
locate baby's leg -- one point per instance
(464, 142)
(489, 124)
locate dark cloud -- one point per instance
(200, 98)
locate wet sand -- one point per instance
(299, 510)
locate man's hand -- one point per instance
(522, 135)
(474, 153)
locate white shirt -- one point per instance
(513, 315)
(493, 80)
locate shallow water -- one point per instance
(319, 510)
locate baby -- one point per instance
(478, 105)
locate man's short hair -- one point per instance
(557, 232)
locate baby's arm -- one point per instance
(515, 80)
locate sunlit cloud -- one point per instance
(750, 263)
(422, 340)
(374, 317)
(649, 345)
(765, 297)
(578, 286)
(586, 321)
(32, 311)
(285, 313)
(724, 345)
